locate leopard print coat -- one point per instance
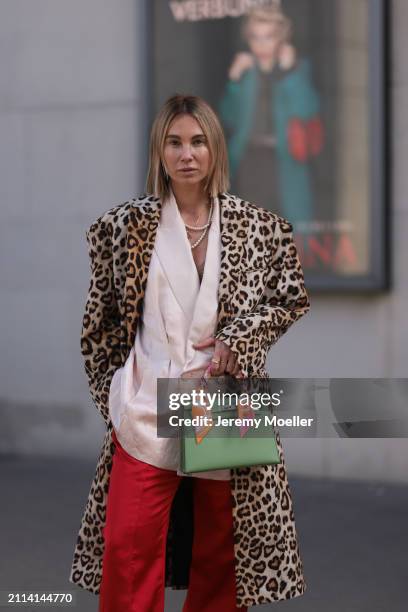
(261, 293)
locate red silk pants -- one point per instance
(137, 520)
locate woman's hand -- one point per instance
(223, 360)
(241, 63)
(287, 56)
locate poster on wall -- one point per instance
(298, 87)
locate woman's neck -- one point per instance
(190, 199)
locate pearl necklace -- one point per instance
(202, 227)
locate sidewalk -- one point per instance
(353, 538)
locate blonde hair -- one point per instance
(271, 14)
(180, 104)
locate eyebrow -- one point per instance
(177, 136)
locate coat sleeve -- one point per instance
(101, 328)
(228, 105)
(284, 301)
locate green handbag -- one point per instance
(216, 452)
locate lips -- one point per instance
(187, 170)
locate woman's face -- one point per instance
(186, 153)
(264, 40)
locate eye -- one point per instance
(200, 140)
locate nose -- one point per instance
(186, 152)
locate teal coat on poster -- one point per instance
(293, 96)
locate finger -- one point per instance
(217, 365)
(231, 360)
(210, 341)
(223, 364)
(219, 360)
(236, 369)
(216, 360)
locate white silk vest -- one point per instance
(178, 311)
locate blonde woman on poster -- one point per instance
(271, 112)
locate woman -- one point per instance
(185, 276)
(272, 112)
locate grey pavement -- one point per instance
(353, 538)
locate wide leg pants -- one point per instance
(138, 512)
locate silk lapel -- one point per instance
(142, 229)
(208, 290)
(174, 252)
